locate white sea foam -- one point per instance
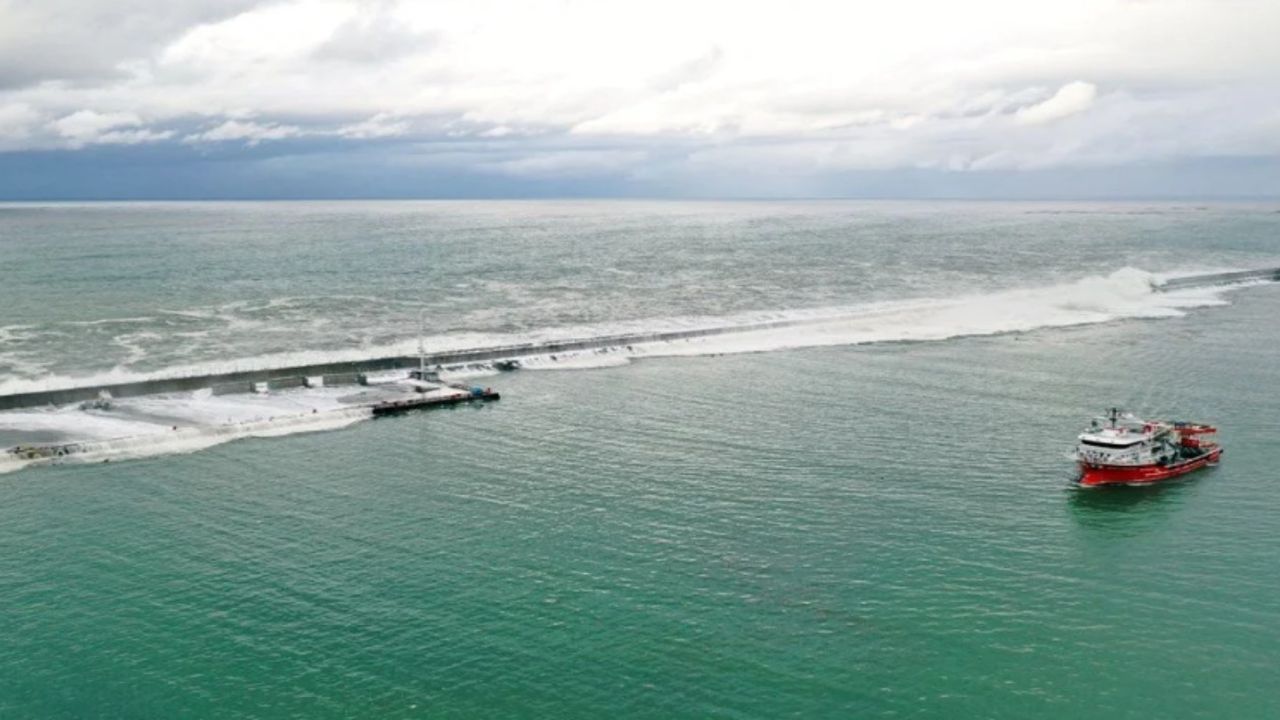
(176, 423)
(151, 440)
(72, 423)
(1126, 293)
(110, 321)
(578, 360)
(470, 371)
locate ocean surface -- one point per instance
(869, 515)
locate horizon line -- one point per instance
(657, 198)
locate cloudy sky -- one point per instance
(711, 98)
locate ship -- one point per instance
(1122, 449)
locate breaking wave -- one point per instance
(142, 438)
(1125, 293)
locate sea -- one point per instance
(865, 511)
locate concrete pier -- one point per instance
(395, 407)
(342, 373)
(1225, 278)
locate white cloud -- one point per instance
(132, 137)
(18, 121)
(261, 36)
(570, 163)
(382, 125)
(696, 70)
(375, 36)
(88, 40)
(811, 85)
(1072, 98)
(88, 124)
(88, 127)
(251, 133)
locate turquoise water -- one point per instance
(91, 289)
(876, 530)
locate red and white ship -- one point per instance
(1120, 449)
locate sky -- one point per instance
(573, 98)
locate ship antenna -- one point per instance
(422, 348)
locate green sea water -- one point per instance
(876, 530)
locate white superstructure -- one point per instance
(1124, 439)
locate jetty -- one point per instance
(395, 407)
(1222, 278)
(355, 371)
(501, 357)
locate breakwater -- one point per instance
(350, 372)
(1223, 278)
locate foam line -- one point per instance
(1125, 293)
(158, 440)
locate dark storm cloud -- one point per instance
(294, 169)
(310, 167)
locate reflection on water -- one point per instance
(1130, 509)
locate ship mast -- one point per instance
(422, 348)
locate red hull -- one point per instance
(1143, 474)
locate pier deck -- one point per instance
(395, 407)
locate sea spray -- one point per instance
(1124, 293)
(161, 440)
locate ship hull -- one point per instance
(1095, 475)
